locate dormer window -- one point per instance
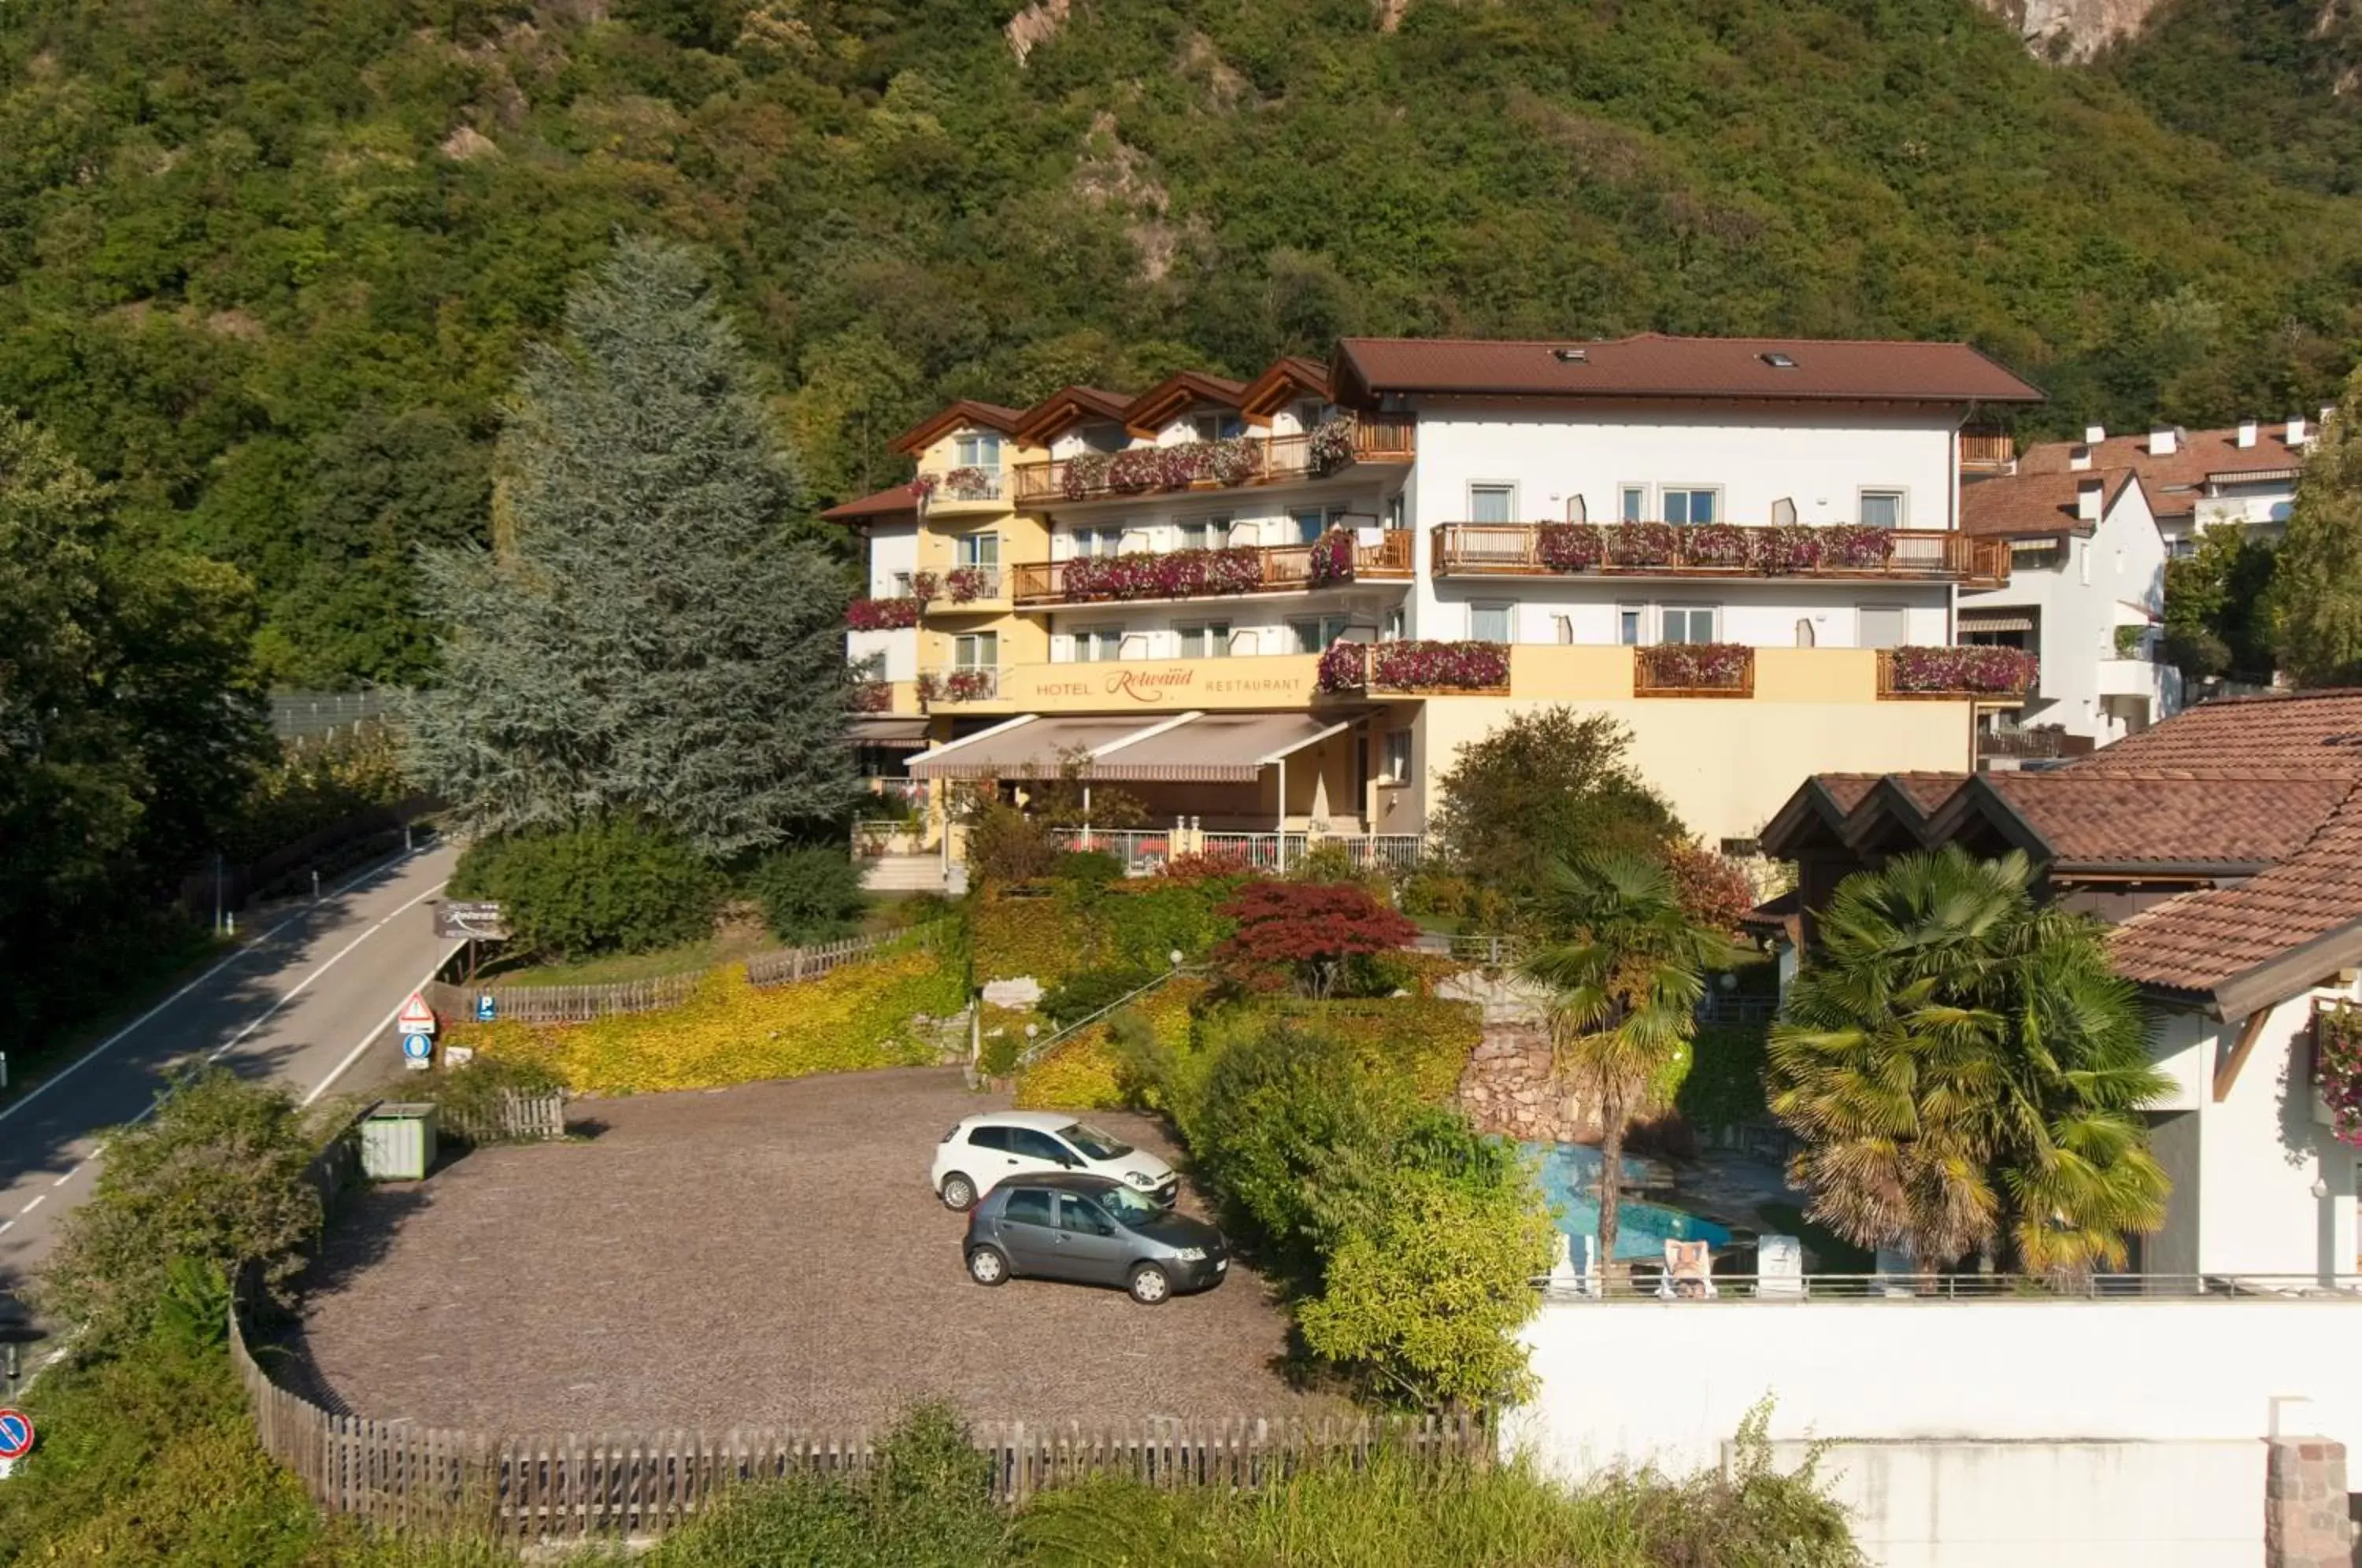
(1571, 356)
(1217, 426)
(980, 450)
(1778, 360)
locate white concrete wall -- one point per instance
(2082, 1504)
(1259, 625)
(899, 650)
(1759, 612)
(893, 548)
(1258, 516)
(1627, 1383)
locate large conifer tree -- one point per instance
(2319, 578)
(656, 632)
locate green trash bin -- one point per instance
(397, 1141)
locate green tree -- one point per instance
(1963, 1065)
(661, 637)
(1545, 789)
(2320, 577)
(608, 885)
(1625, 963)
(213, 1179)
(2218, 606)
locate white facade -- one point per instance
(2080, 589)
(1762, 613)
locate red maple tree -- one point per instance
(1302, 933)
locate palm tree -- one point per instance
(1959, 1058)
(1625, 965)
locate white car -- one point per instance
(984, 1150)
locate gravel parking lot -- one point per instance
(767, 1255)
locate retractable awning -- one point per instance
(886, 729)
(1183, 748)
(1995, 621)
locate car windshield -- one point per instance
(1128, 1205)
(1098, 1145)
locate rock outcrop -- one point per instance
(2072, 30)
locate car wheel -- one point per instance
(1149, 1285)
(959, 1193)
(987, 1267)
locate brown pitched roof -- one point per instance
(884, 503)
(1037, 425)
(1148, 413)
(2025, 506)
(968, 410)
(1262, 396)
(2197, 455)
(2128, 818)
(2301, 733)
(1652, 365)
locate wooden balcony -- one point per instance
(1988, 452)
(1209, 574)
(1694, 669)
(1264, 459)
(1717, 550)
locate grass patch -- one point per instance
(729, 944)
(1825, 1252)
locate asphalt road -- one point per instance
(309, 999)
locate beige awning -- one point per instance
(1029, 747)
(886, 729)
(1213, 748)
(1995, 621)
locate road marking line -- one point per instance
(7, 1225)
(382, 1024)
(35, 1204)
(306, 983)
(65, 1178)
(243, 954)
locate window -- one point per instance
(1306, 527)
(1035, 1146)
(979, 550)
(1310, 413)
(1881, 508)
(1217, 426)
(1687, 624)
(1490, 622)
(1083, 1217)
(1880, 626)
(1206, 639)
(1097, 645)
(1314, 636)
(1395, 516)
(1632, 503)
(981, 450)
(994, 1138)
(1028, 1206)
(1091, 1140)
(1397, 763)
(1627, 624)
(1396, 626)
(977, 650)
(1098, 541)
(1691, 505)
(1492, 504)
(1206, 533)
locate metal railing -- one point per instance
(1382, 851)
(1264, 851)
(992, 484)
(1645, 1282)
(1379, 436)
(1143, 851)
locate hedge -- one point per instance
(1136, 923)
(856, 1017)
(1426, 1041)
(1080, 1074)
(1012, 938)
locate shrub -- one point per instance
(215, 1176)
(472, 1093)
(808, 894)
(1326, 862)
(1713, 888)
(1213, 865)
(854, 1017)
(1005, 846)
(1086, 870)
(1079, 1073)
(1302, 933)
(1437, 895)
(1088, 990)
(1420, 1043)
(615, 885)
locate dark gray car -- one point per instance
(1092, 1230)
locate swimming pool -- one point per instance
(1570, 1177)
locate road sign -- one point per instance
(416, 1017)
(458, 920)
(418, 1050)
(16, 1434)
(484, 1014)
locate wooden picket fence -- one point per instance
(582, 1004)
(517, 1118)
(398, 1475)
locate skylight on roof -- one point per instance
(1571, 356)
(1778, 360)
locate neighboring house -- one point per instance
(2086, 596)
(1275, 609)
(2244, 474)
(2226, 845)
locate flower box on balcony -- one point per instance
(872, 697)
(1415, 667)
(1954, 672)
(2337, 1066)
(968, 685)
(1167, 574)
(1331, 560)
(882, 614)
(971, 483)
(965, 585)
(1694, 669)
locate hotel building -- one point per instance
(1274, 609)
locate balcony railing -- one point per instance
(2034, 745)
(1220, 465)
(1987, 452)
(960, 684)
(1416, 665)
(1998, 674)
(1197, 574)
(1717, 549)
(1694, 669)
(962, 486)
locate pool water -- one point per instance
(1570, 1178)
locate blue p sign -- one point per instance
(484, 1008)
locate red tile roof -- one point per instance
(884, 503)
(2024, 506)
(966, 411)
(2304, 732)
(1652, 365)
(2128, 818)
(2197, 454)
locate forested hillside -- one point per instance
(2276, 81)
(266, 264)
